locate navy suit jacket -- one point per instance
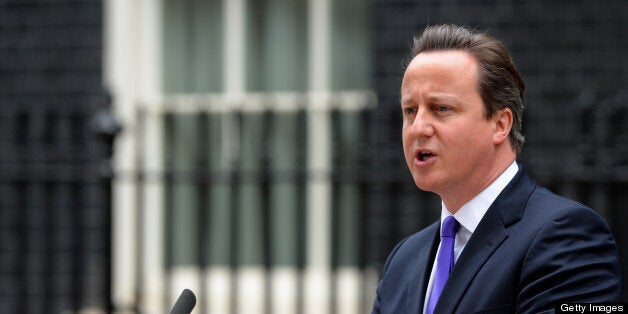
(531, 250)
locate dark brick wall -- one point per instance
(572, 55)
(54, 178)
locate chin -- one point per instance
(424, 185)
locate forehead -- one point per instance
(449, 68)
(452, 59)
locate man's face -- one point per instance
(447, 139)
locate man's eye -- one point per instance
(442, 108)
(409, 110)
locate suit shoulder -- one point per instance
(567, 243)
(545, 211)
(406, 251)
(421, 238)
(550, 204)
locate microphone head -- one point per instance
(185, 303)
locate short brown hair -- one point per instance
(500, 84)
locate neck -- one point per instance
(456, 199)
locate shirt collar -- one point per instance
(470, 214)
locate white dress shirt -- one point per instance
(469, 216)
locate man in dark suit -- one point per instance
(503, 244)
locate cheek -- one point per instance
(462, 140)
(407, 149)
(405, 139)
(471, 143)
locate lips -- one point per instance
(422, 156)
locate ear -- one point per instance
(503, 124)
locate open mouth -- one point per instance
(423, 156)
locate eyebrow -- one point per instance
(442, 97)
(435, 98)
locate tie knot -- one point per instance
(450, 227)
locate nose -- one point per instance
(422, 126)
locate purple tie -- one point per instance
(444, 261)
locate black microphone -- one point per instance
(185, 303)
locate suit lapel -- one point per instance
(488, 236)
(421, 273)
